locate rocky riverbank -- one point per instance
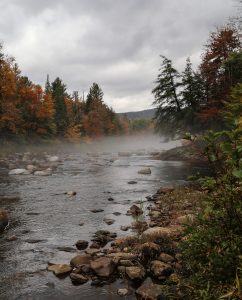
(150, 259)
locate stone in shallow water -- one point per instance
(19, 172)
(109, 221)
(60, 269)
(135, 273)
(122, 292)
(97, 210)
(145, 171)
(78, 278)
(82, 259)
(103, 266)
(81, 244)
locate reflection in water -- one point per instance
(96, 172)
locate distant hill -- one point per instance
(142, 114)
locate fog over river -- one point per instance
(95, 172)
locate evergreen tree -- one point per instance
(47, 85)
(95, 96)
(166, 95)
(58, 90)
(193, 88)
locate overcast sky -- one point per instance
(115, 43)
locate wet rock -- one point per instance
(122, 292)
(11, 238)
(60, 269)
(110, 199)
(95, 245)
(81, 244)
(53, 158)
(31, 168)
(163, 232)
(149, 291)
(123, 256)
(135, 273)
(4, 219)
(116, 213)
(78, 278)
(148, 249)
(25, 231)
(92, 251)
(166, 258)
(81, 223)
(103, 266)
(98, 282)
(82, 259)
(126, 263)
(109, 221)
(19, 172)
(97, 210)
(9, 198)
(159, 268)
(46, 172)
(66, 249)
(70, 193)
(145, 171)
(34, 241)
(125, 228)
(135, 210)
(132, 182)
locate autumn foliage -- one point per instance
(29, 111)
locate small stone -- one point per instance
(95, 245)
(135, 210)
(109, 221)
(78, 278)
(66, 249)
(81, 259)
(126, 263)
(150, 291)
(132, 182)
(70, 193)
(145, 171)
(117, 213)
(97, 210)
(81, 244)
(11, 238)
(60, 269)
(125, 228)
(18, 172)
(166, 258)
(110, 199)
(81, 224)
(122, 292)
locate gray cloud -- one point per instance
(115, 43)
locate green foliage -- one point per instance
(212, 250)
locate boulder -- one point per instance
(78, 278)
(81, 244)
(145, 171)
(159, 268)
(163, 232)
(166, 258)
(19, 172)
(135, 210)
(103, 266)
(82, 259)
(60, 269)
(135, 273)
(149, 291)
(4, 219)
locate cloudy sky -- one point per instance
(115, 43)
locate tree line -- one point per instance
(193, 100)
(29, 111)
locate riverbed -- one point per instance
(43, 211)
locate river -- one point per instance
(95, 172)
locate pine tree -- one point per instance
(95, 96)
(166, 95)
(58, 90)
(193, 88)
(47, 85)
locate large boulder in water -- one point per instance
(4, 219)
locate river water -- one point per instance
(96, 172)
